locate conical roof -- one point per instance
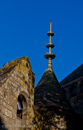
(52, 109)
(48, 92)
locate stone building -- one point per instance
(73, 86)
(16, 95)
(46, 108)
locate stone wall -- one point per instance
(54, 118)
(74, 93)
(16, 86)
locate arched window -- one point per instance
(21, 106)
(73, 91)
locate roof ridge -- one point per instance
(73, 75)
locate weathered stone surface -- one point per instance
(73, 86)
(52, 109)
(16, 85)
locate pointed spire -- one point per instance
(50, 55)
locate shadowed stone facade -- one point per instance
(16, 95)
(73, 86)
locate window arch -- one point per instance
(21, 106)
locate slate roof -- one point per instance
(48, 92)
(50, 103)
(77, 73)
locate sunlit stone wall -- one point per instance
(16, 85)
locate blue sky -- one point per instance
(23, 32)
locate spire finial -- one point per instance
(50, 25)
(50, 55)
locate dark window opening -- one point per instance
(73, 91)
(27, 65)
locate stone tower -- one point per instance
(52, 109)
(16, 95)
